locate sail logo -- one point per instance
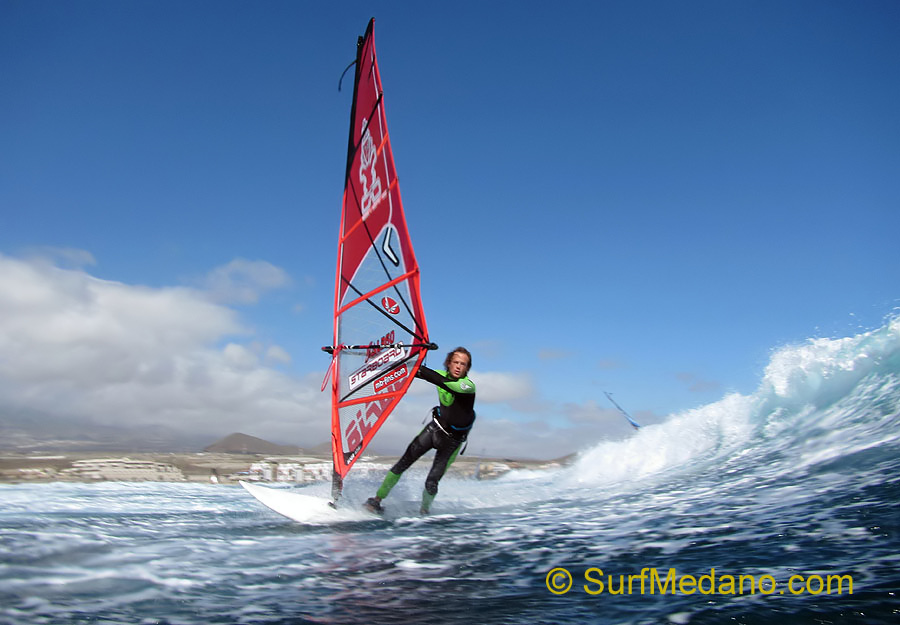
(362, 422)
(385, 359)
(375, 348)
(372, 188)
(390, 305)
(397, 374)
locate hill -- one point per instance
(36, 431)
(238, 443)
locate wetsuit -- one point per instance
(449, 426)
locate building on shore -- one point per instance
(122, 469)
(271, 470)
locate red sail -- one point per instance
(380, 336)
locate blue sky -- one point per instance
(645, 198)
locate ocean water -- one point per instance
(791, 489)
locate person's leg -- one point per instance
(419, 445)
(447, 450)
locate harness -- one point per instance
(435, 412)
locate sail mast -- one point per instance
(380, 337)
(633, 423)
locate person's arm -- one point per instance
(461, 386)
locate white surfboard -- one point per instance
(304, 508)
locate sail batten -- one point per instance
(380, 335)
(384, 287)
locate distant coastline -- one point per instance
(235, 457)
(210, 467)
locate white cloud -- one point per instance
(590, 412)
(79, 348)
(243, 281)
(239, 357)
(551, 353)
(696, 384)
(508, 438)
(276, 354)
(64, 256)
(492, 387)
(495, 387)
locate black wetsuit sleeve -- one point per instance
(430, 375)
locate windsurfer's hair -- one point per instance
(458, 350)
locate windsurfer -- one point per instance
(448, 429)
